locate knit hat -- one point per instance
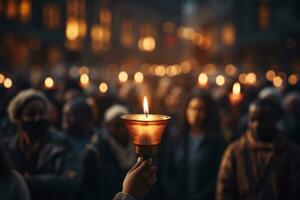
(115, 111)
(18, 103)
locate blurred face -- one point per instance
(70, 120)
(34, 119)
(118, 131)
(262, 123)
(195, 113)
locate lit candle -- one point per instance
(145, 130)
(236, 97)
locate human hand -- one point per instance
(139, 179)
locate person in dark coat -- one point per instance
(107, 158)
(190, 162)
(12, 185)
(47, 168)
(262, 164)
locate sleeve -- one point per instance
(123, 196)
(226, 183)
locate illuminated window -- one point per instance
(11, 9)
(51, 16)
(127, 37)
(1, 6)
(264, 16)
(228, 34)
(25, 10)
(105, 17)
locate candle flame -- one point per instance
(236, 89)
(145, 106)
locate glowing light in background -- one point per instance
(2, 78)
(160, 70)
(83, 70)
(84, 79)
(146, 44)
(186, 67)
(293, 79)
(202, 79)
(242, 78)
(138, 77)
(220, 80)
(7, 83)
(236, 89)
(270, 75)
(103, 87)
(230, 70)
(250, 78)
(123, 76)
(49, 82)
(72, 29)
(277, 81)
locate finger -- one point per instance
(142, 167)
(136, 165)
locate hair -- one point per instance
(212, 117)
(268, 104)
(80, 104)
(21, 100)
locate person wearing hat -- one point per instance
(46, 167)
(107, 158)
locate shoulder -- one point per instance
(236, 147)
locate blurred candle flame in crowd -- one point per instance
(146, 43)
(123, 76)
(138, 77)
(7, 83)
(145, 106)
(230, 70)
(236, 89)
(103, 87)
(277, 82)
(2, 78)
(293, 79)
(49, 82)
(84, 79)
(250, 78)
(202, 79)
(220, 80)
(235, 96)
(270, 75)
(83, 70)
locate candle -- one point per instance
(236, 97)
(145, 130)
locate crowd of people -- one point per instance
(68, 142)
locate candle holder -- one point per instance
(145, 132)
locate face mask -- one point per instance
(36, 129)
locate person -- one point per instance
(291, 105)
(262, 164)
(47, 168)
(138, 181)
(77, 123)
(190, 162)
(107, 158)
(12, 185)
